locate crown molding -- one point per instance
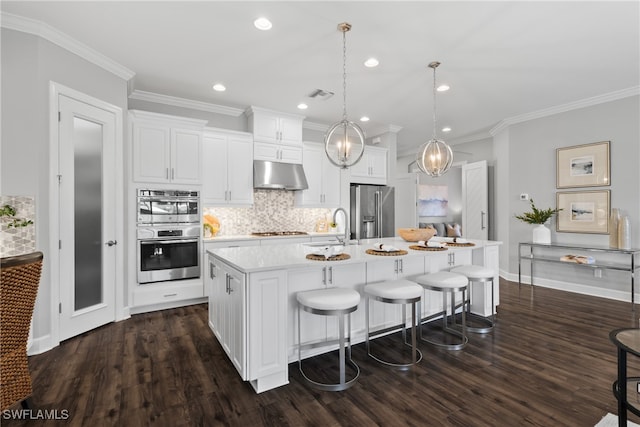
(47, 32)
(587, 102)
(315, 126)
(158, 98)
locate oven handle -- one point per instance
(164, 242)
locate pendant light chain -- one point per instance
(434, 101)
(344, 74)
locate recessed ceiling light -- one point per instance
(263, 24)
(219, 87)
(371, 62)
(446, 129)
(364, 119)
(443, 88)
(303, 106)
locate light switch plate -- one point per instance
(524, 196)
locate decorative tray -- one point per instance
(385, 253)
(339, 257)
(460, 244)
(426, 248)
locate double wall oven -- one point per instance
(168, 235)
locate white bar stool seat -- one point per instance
(477, 273)
(395, 292)
(447, 283)
(330, 302)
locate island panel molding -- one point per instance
(586, 165)
(583, 211)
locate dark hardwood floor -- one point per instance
(549, 362)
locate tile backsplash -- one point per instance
(20, 240)
(272, 210)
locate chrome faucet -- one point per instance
(347, 234)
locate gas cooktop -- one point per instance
(279, 233)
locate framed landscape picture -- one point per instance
(585, 165)
(583, 211)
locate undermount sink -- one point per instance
(323, 244)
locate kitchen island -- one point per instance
(252, 303)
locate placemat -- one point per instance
(460, 244)
(383, 253)
(339, 257)
(426, 248)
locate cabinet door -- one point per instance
(266, 127)
(266, 151)
(240, 171)
(151, 153)
(290, 154)
(361, 169)
(353, 276)
(311, 162)
(214, 170)
(330, 183)
(236, 318)
(314, 327)
(378, 163)
(186, 155)
(267, 320)
(290, 131)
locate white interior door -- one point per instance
(86, 204)
(475, 200)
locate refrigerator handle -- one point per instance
(378, 207)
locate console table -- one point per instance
(627, 341)
(625, 259)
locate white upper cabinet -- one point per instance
(322, 176)
(277, 136)
(166, 149)
(372, 167)
(227, 168)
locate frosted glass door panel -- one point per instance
(88, 213)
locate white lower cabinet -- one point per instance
(247, 313)
(320, 328)
(391, 268)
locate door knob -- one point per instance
(111, 242)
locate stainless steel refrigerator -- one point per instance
(372, 211)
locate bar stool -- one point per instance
(447, 283)
(395, 292)
(476, 273)
(330, 302)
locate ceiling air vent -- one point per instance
(320, 94)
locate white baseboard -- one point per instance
(594, 291)
(40, 345)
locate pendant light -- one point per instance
(434, 156)
(344, 141)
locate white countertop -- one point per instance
(329, 236)
(286, 256)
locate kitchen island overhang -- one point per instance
(252, 304)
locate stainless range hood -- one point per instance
(278, 176)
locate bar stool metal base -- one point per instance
(343, 384)
(453, 329)
(474, 274)
(416, 354)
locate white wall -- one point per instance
(529, 151)
(28, 64)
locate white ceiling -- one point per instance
(502, 59)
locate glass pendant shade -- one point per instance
(344, 140)
(435, 157)
(344, 144)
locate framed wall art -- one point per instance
(583, 211)
(585, 165)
